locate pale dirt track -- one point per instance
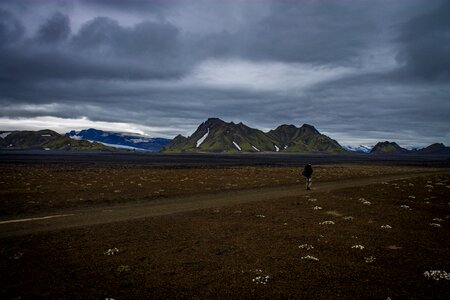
(117, 213)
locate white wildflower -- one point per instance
(437, 275)
(112, 251)
(364, 201)
(436, 225)
(260, 216)
(405, 207)
(369, 259)
(412, 197)
(123, 268)
(360, 247)
(306, 246)
(327, 223)
(386, 227)
(438, 220)
(309, 257)
(348, 218)
(260, 278)
(317, 208)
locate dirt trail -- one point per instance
(117, 213)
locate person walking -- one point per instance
(307, 172)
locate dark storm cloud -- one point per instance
(11, 29)
(143, 41)
(149, 62)
(425, 44)
(408, 113)
(318, 32)
(55, 29)
(313, 31)
(129, 5)
(102, 49)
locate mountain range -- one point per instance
(215, 135)
(393, 148)
(120, 139)
(45, 140)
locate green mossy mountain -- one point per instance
(218, 136)
(215, 135)
(46, 139)
(304, 139)
(388, 148)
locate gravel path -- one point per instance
(117, 213)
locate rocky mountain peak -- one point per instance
(306, 128)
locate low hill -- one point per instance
(435, 149)
(388, 148)
(45, 139)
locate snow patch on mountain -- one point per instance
(140, 140)
(4, 134)
(76, 137)
(121, 146)
(256, 149)
(276, 148)
(237, 146)
(202, 139)
(360, 148)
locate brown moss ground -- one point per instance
(31, 189)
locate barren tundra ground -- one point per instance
(373, 240)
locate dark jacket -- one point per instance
(307, 172)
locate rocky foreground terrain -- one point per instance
(363, 232)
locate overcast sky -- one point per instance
(360, 71)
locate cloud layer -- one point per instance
(361, 71)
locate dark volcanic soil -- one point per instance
(38, 188)
(212, 159)
(220, 252)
